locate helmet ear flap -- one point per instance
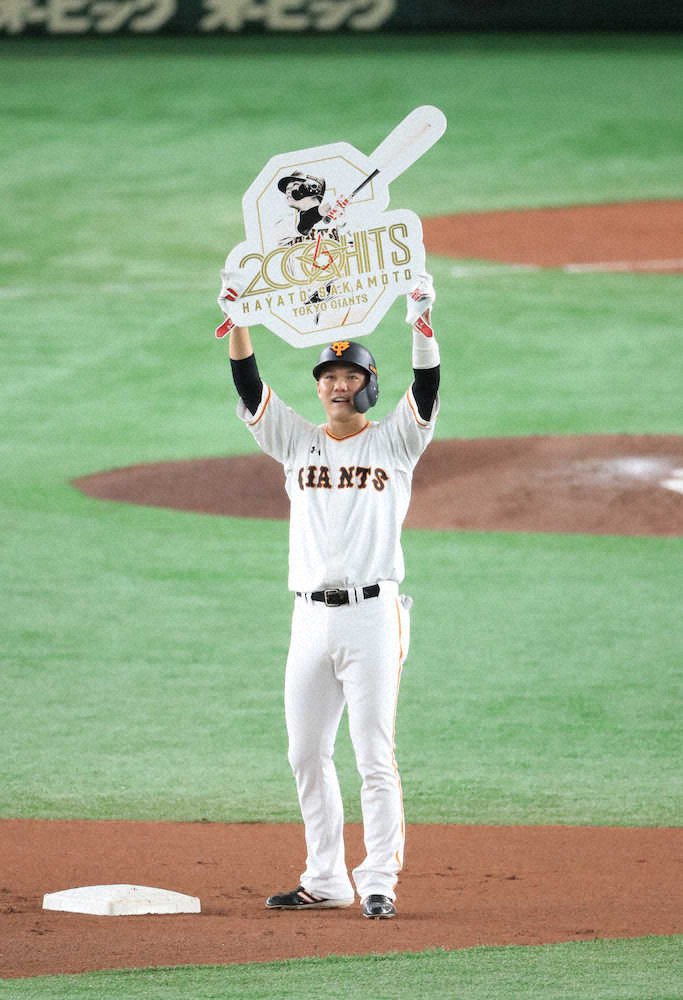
(368, 395)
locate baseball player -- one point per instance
(304, 194)
(349, 482)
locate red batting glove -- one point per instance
(224, 329)
(419, 303)
(233, 284)
(423, 327)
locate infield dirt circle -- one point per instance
(462, 885)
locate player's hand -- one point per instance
(335, 212)
(419, 304)
(233, 284)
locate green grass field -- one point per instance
(642, 969)
(136, 667)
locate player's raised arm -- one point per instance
(245, 371)
(426, 359)
(240, 347)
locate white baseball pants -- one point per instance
(351, 655)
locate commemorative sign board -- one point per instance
(323, 254)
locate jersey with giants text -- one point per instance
(348, 497)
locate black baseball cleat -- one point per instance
(378, 907)
(301, 899)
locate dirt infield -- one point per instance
(628, 236)
(462, 886)
(595, 484)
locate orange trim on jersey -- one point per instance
(393, 734)
(422, 423)
(348, 436)
(254, 422)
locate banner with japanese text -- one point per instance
(203, 17)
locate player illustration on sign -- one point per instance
(323, 255)
(349, 483)
(304, 195)
(310, 220)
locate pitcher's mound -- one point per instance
(628, 236)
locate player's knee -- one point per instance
(303, 756)
(378, 773)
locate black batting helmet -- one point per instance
(350, 353)
(308, 186)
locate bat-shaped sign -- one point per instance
(323, 255)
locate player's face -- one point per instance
(289, 192)
(302, 204)
(337, 386)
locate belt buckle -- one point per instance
(333, 598)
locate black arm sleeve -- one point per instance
(247, 382)
(425, 388)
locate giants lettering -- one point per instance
(346, 478)
(315, 478)
(362, 473)
(379, 479)
(312, 477)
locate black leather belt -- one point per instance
(335, 598)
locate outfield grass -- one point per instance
(549, 666)
(641, 969)
(143, 649)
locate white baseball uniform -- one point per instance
(349, 498)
